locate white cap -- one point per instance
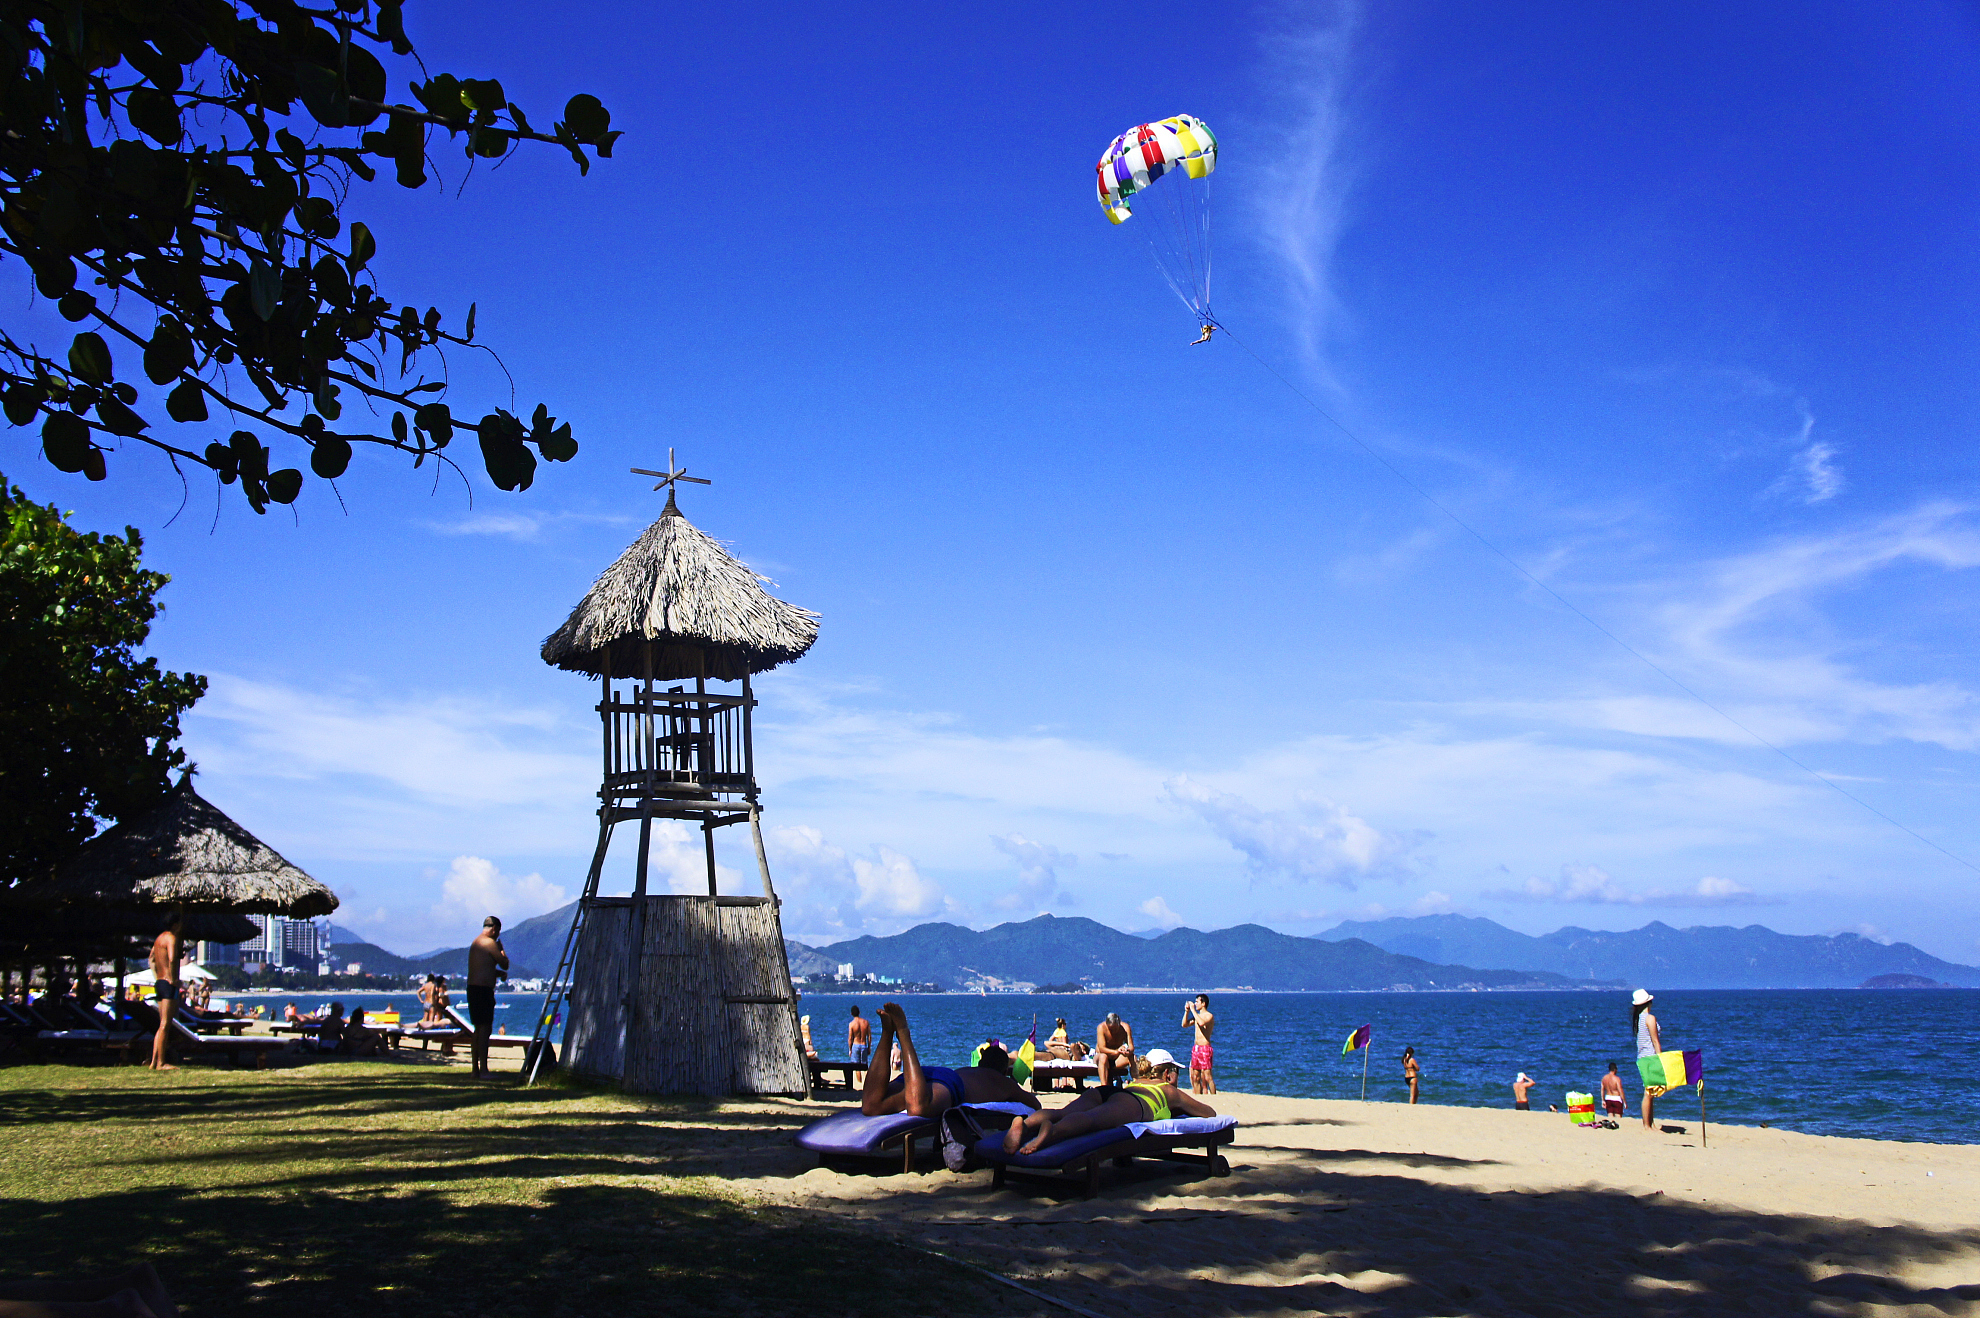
(1523, 1075)
(1161, 1057)
(1640, 997)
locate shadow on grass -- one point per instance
(381, 1195)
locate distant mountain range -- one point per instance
(1423, 952)
(533, 946)
(1050, 950)
(1658, 956)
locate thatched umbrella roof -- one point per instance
(186, 853)
(680, 589)
(106, 931)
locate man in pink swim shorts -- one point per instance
(1202, 1056)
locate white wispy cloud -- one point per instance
(1593, 886)
(1316, 839)
(1812, 475)
(1305, 175)
(1159, 910)
(1038, 873)
(830, 894)
(532, 526)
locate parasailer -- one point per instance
(1175, 216)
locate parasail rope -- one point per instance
(1569, 605)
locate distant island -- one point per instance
(1901, 982)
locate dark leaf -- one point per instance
(363, 246)
(76, 305)
(399, 426)
(490, 143)
(169, 352)
(468, 334)
(22, 402)
(264, 284)
(186, 403)
(93, 466)
(155, 114)
(392, 27)
(437, 421)
(284, 485)
(483, 94)
(331, 457)
(120, 420)
(323, 95)
(587, 118)
(65, 439)
(224, 461)
(89, 357)
(54, 276)
(510, 463)
(249, 455)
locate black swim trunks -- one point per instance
(481, 1007)
(163, 990)
(1523, 1107)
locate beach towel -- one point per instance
(1181, 1126)
(1581, 1108)
(1667, 1071)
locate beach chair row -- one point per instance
(851, 1136)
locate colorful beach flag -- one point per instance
(1029, 1053)
(1357, 1039)
(1671, 1070)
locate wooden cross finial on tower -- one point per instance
(670, 476)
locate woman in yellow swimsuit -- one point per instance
(1153, 1099)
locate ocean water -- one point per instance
(1888, 1064)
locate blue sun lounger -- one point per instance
(1081, 1156)
(854, 1135)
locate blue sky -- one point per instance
(1675, 308)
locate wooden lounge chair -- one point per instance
(256, 1046)
(495, 1040)
(820, 1069)
(212, 1023)
(1079, 1158)
(1045, 1070)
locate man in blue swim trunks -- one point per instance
(927, 1091)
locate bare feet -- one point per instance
(1014, 1134)
(1033, 1144)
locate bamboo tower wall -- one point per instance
(711, 1012)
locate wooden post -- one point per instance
(708, 841)
(634, 1014)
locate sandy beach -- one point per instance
(1378, 1208)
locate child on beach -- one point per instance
(1613, 1101)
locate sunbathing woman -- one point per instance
(1153, 1099)
(927, 1091)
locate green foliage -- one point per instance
(193, 159)
(86, 726)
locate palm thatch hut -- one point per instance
(183, 855)
(665, 992)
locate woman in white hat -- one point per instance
(1643, 1023)
(1153, 1099)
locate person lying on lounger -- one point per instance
(927, 1091)
(1153, 1099)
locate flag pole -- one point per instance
(1366, 1048)
(1701, 1113)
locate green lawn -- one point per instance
(373, 1189)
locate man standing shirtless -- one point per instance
(487, 962)
(1113, 1048)
(165, 952)
(1202, 1056)
(859, 1042)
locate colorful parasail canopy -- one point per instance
(1175, 217)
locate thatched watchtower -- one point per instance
(669, 992)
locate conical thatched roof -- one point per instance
(680, 589)
(183, 853)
